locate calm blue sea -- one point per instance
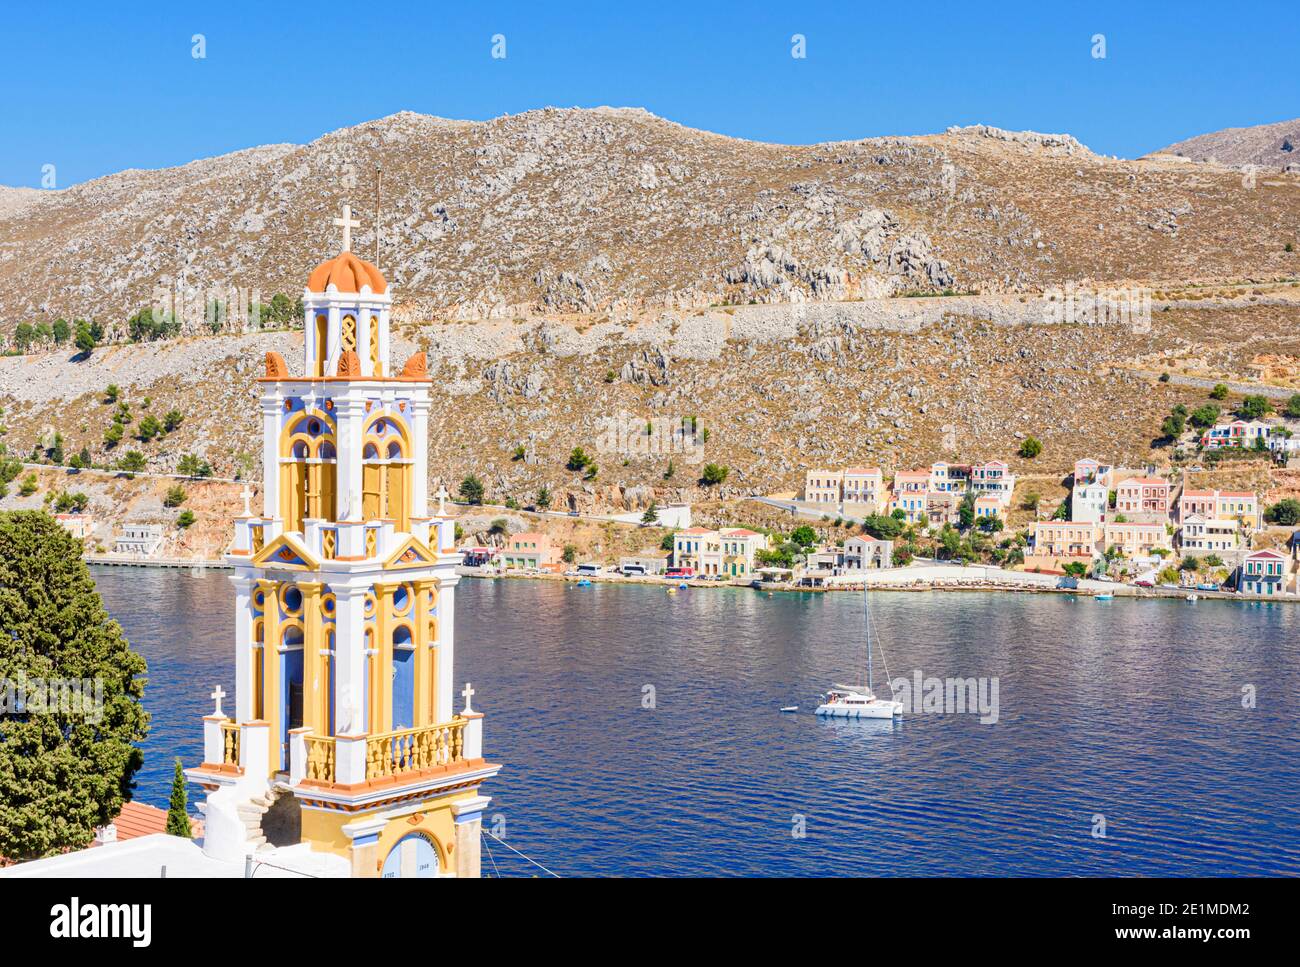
(641, 732)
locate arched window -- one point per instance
(322, 340)
(310, 474)
(386, 471)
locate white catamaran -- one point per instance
(860, 701)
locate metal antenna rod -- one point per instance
(379, 218)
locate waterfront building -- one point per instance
(475, 555)
(1062, 541)
(864, 552)
(1137, 540)
(1265, 572)
(529, 551)
(730, 551)
(346, 741)
(139, 540)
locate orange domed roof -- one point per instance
(347, 273)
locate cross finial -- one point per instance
(247, 494)
(442, 501)
(347, 223)
(467, 694)
(217, 695)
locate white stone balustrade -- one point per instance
(473, 747)
(298, 755)
(213, 743)
(254, 748)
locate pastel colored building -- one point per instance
(698, 548)
(345, 734)
(1089, 502)
(1233, 505)
(529, 551)
(864, 491)
(1238, 505)
(823, 486)
(988, 506)
(949, 477)
(728, 552)
(994, 479)
(1064, 539)
(864, 553)
(1149, 496)
(1264, 572)
(1088, 471)
(1197, 503)
(1135, 539)
(910, 494)
(1238, 433)
(79, 526)
(739, 548)
(1206, 535)
(943, 506)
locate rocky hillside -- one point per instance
(895, 382)
(1275, 146)
(615, 211)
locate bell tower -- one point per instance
(345, 610)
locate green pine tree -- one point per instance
(63, 771)
(178, 817)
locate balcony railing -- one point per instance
(320, 758)
(414, 750)
(229, 744)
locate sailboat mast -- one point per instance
(866, 613)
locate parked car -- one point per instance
(679, 573)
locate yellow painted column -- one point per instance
(384, 644)
(313, 640)
(423, 665)
(271, 665)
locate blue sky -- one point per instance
(95, 88)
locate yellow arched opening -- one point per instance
(308, 470)
(386, 471)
